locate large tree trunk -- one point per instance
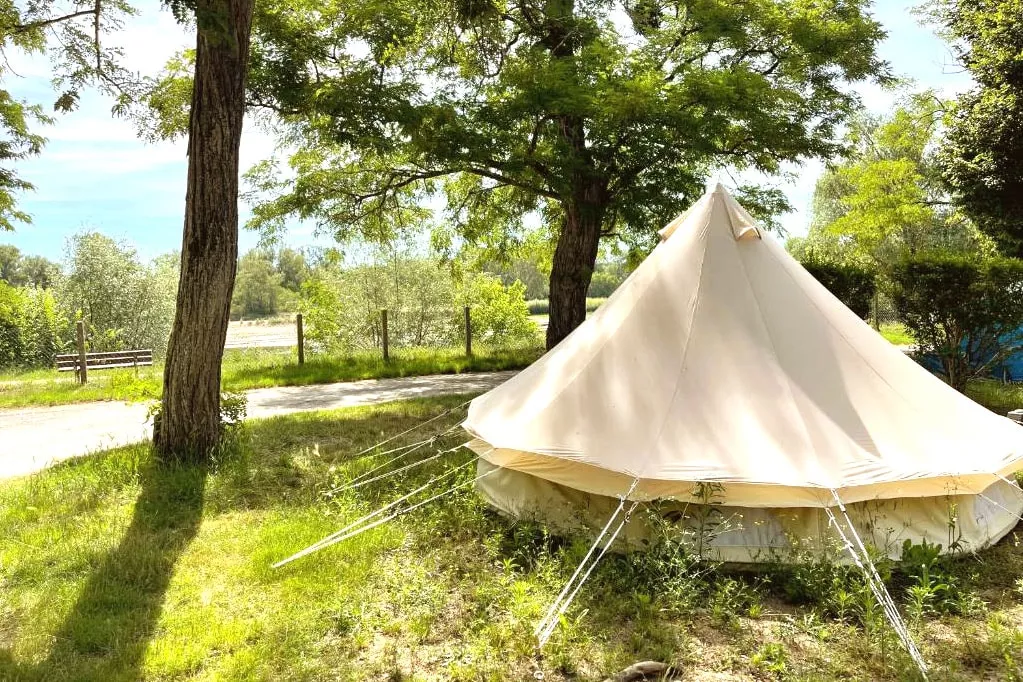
(574, 260)
(188, 426)
(585, 206)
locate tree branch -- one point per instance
(43, 23)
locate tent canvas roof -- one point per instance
(721, 360)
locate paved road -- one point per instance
(34, 438)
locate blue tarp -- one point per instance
(1009, 369)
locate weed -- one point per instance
(771, 658)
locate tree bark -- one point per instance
(574, 260)
(188, 426)
(585, 205)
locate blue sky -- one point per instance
(95, 174)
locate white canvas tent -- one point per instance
(722, 365)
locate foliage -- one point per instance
(897, 334)
(965, 311)
(499, 313)
(853, 285)
(268, 282)
(424, 303)
(541, 307)
(933, 588)
(124, 302)
(293, 267)
(559, 110)
(31, 330)
(982, 153)
(606, 278)
(19, 270)
(257, 286)
(887, 199)
(522, 270)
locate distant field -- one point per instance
(275, 333)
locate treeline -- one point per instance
(425, 303)
(127, 302)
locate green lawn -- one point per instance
(259, 368)
(114, 569)
(897, 333)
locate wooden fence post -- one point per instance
(383, 319)
(468, 332)
(877, 322)
(83, 374)
(301, 339)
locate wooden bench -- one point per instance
(111, 360)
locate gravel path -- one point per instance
(34, 438)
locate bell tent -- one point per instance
(722, 373)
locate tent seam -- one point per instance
(851, 346)
(777, 357)
(689, 336)
(610, 336)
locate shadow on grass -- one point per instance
(105, 634)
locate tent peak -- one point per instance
(743, 225)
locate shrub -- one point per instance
(963, 311)
(606, 278)
(30, 327)
(499, 313)
(124, 302)
(853, 285)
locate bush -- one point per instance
(965, 312)
(30, 327)
(853, 285)
(543, 306)
(606, 278)
(499, 313)
(124, 302)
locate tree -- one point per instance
(982, 154)
(887, 200)
(424, 301)
(125, 303)
(552, 108)
(962, 310)
(257, 287)
(292, 267)
(38, 271)
(189, 423)
(10, 264)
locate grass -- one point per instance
(897, 333)
(996, 396)
(115, 569)
(259, 368)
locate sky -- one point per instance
(95, 174)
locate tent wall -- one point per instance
(758, 535)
